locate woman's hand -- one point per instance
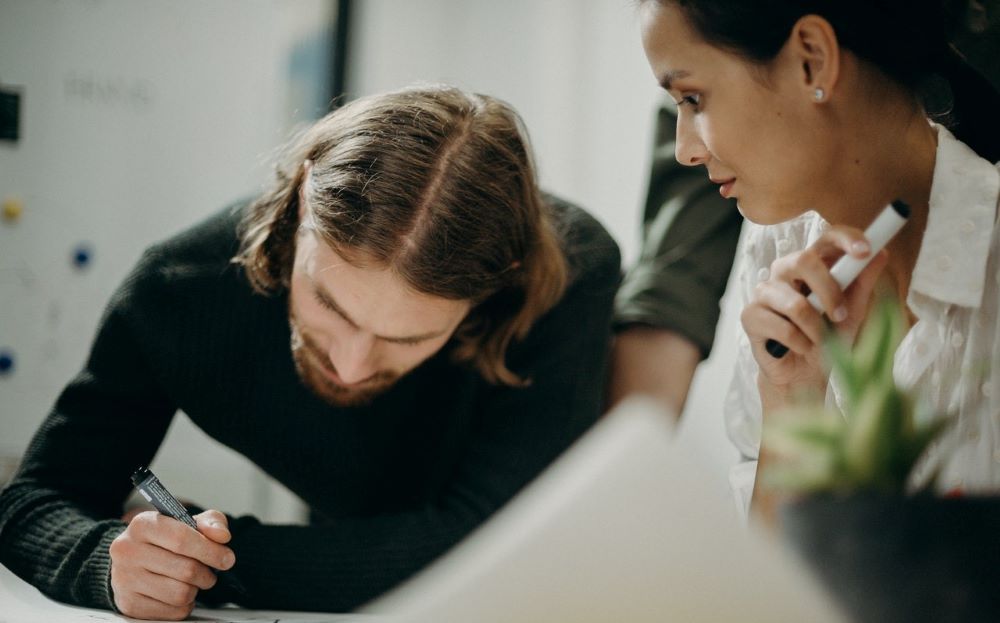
(780, 310)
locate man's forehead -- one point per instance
(375, 297)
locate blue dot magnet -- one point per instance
(6, 362)
(82, 256)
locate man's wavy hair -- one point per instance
(436, 184)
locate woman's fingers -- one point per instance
(783, 300)
(763, 324)
(859, 294)
(809, 270)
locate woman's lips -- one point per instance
(725, 186)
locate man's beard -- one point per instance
(310, 363)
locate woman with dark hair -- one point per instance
(814, 116)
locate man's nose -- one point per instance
(354, 357)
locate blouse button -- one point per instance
(957, 339)
(968, 227)
(921, 348)
(784, 245)
(973, 435)
(944, 263)
(763, 274)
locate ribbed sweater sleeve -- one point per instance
(57, 515)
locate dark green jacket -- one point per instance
(689, 240)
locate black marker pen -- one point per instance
(847, 268)
(150, 488)
(153, 491)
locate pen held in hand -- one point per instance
(847, 268)
(153, 491)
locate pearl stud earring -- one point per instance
(819, 94)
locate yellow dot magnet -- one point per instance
(12, 209)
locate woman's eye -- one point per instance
(690, 100)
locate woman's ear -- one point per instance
(814, 46)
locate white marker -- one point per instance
(847, 268)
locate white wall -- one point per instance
(573, 69)
(576, 72)
(139, 118)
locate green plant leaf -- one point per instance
(838, 353)
(872, 430)
(875, 444)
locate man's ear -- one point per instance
(814, 46)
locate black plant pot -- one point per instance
(910, 559)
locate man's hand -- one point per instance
(158, 564)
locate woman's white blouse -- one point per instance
(951, 354)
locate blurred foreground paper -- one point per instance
(623, 527)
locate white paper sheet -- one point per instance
(22, 603)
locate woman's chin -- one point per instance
(759, 215)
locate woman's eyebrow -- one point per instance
(668, 77)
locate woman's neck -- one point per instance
(887, 158)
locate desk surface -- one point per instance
(22, 603)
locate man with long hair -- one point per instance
(402, 330)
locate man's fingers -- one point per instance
(164, 589)
(181, 568)
(213, 518)
(130, 515)
(214, 525)
(139, 606)
(179, 538)
(147, 556)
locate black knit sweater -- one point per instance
(398, 481)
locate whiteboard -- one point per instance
(139, 118)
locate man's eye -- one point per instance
(325, 303)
